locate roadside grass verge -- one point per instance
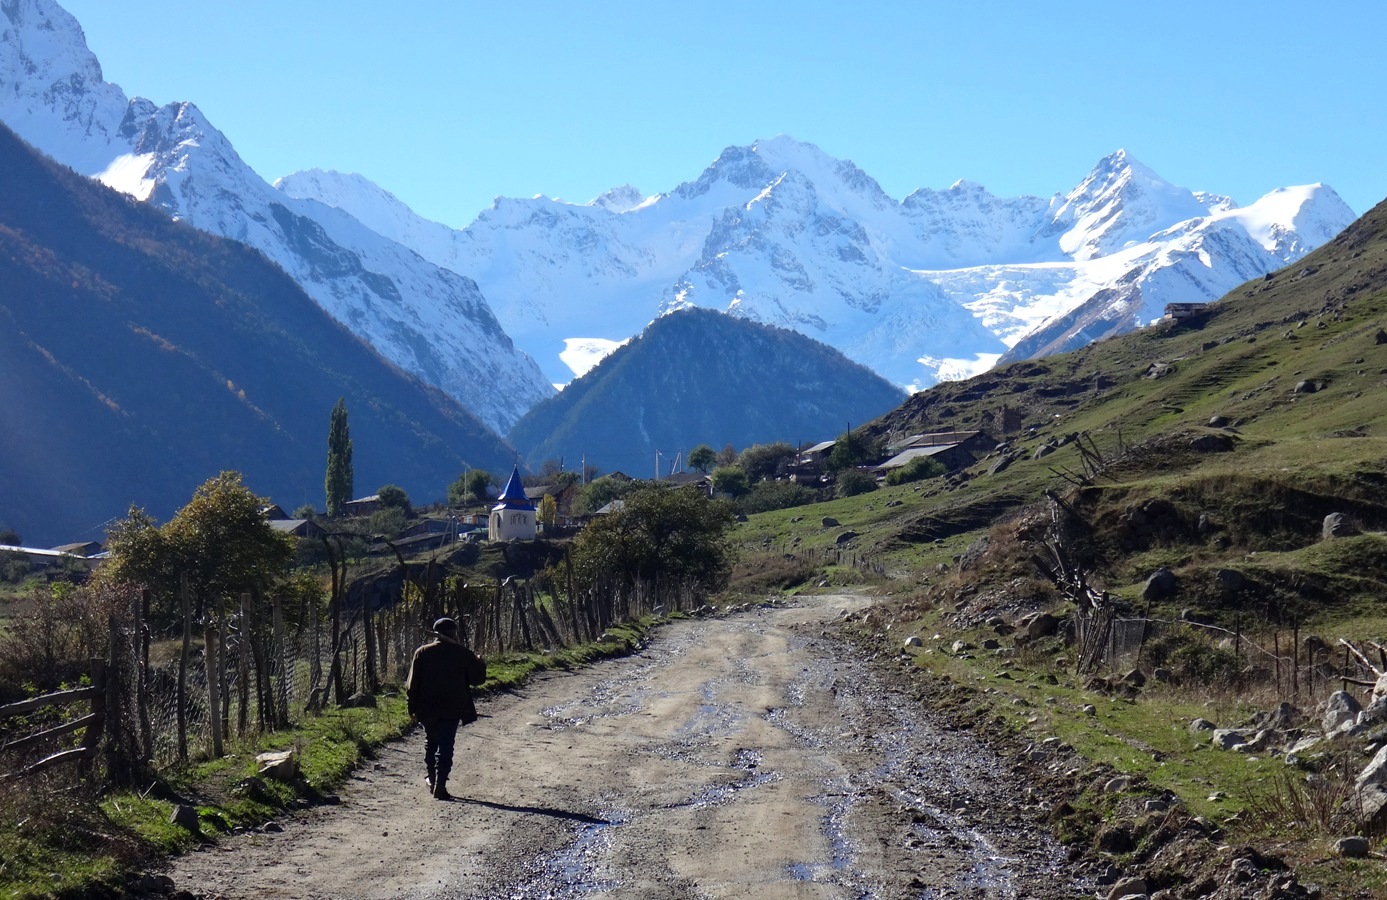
(57, 841)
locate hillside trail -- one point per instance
(752, 755)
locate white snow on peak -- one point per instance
(581, 354)
(619, 200)
(429, 320)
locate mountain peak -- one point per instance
(1120, 202)
(619, 199)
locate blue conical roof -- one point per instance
(513, 494)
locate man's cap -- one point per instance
(446, 626)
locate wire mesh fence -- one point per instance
(232, 668)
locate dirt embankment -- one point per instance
(748, 756)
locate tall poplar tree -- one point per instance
(338, 483)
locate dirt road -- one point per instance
(747, 756)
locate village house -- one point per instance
(300, 528)
(954, 449)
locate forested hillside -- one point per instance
(139, 357)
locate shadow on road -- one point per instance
(537, 810)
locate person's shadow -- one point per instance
(536, 810)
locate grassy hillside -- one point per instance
(1214, 449)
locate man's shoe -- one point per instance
(440, 792)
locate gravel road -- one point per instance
(746, 756)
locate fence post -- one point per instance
(142, 679)
(1276, 650)
(1295, 659)
(96, 730)
(281, 662)
(186, 607)
(211, 659)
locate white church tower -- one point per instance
(513, 517)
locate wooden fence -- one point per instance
(231, 668)
(92, 724)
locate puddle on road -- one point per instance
(574, 870)
(840, 851)
(747, 762)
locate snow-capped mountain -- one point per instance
(939, 285)
(431, 321)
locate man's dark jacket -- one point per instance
(437, 686)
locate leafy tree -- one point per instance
(219, 540)
(765, 496)
(305, 512)
(394, 497)
(730, 480)
(850, 450)
(664, 537)
(548, 512)
(597, 494)
(338, 482)
(727, 455)
(703, 458)
(471, 487)
(548, 470)
(9, 537)
(918, 469)
(761, 461)
(387, 521)
(852, 482)
(14, 567)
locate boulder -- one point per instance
(829, 522)
(1229, 580)
(844, 537)
(1135, 678)
(1306, 387)
(1211, 443)
(1040, 625)
(1128, 888)
(1218, 421)
(1375, 772)
(1337, 525)
(281, 766)
(1043, 451)
(1199, 725)
(1340, 712)
(913, 641)
(1228, 738)
(1117, 785)
(360, 699)
(1354, 847)
(1159, 585)
(185, 816)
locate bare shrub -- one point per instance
(1319, 803)
(52, 642)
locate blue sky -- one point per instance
(449, 104)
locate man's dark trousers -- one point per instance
(439, 737)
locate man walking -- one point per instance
(440, 697)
